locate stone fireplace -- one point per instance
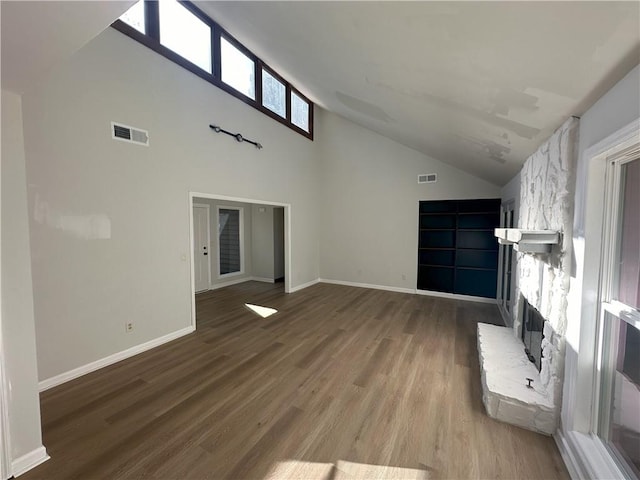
(542, 285)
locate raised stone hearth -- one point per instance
(505, 368)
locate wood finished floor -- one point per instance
(341, 383)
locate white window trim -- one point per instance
(585, 453)
(608, 279)
(241, 226)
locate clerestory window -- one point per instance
(181, 32)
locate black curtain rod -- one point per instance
(237, 136)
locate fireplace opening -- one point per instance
(532, 328)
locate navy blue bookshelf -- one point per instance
(457, 251)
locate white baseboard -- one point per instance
(369, 285)
(28, 461)
(576, 472)
(263, 279)
(297, 288)
(228, 283)
(413, 291)
(111, 359)
(456, 296)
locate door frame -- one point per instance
(506, 307)
(5, 449)
(6, 469)
(206, 206)
(287, 238)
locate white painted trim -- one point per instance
(585, 456)
(616, 142)
(192, 265)
(207, 207)
(111, 359)
(368, 285)
(576, 471)
(29, 460)
(457, 296)
(304, 285)
(263, 279)
(5, 438)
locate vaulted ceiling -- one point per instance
(479, 85)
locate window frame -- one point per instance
(609, 305)
(151, 40)
(279, 78)
(291, 90)
(246, 52)
(155, 24)
(506, 260)
(241, 241)
(584, 452)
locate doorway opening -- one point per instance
(235, 240)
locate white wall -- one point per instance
(18, 329)
(90, 281)
(370, 195)
(213, 245)
(262, 246)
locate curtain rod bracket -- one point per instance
(238, 136)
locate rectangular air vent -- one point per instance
(129, 134)
(428, 178)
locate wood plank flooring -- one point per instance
(340, 383)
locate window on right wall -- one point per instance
(618, 382)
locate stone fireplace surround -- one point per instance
(546, 203)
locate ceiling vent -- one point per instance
(129, 134)
(428, 178)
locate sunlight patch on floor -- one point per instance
(301, 470)
(353, 470)
(264, 312)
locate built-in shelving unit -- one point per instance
(457, 250)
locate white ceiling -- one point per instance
(37, 35)
(479, 85)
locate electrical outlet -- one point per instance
(128, 327)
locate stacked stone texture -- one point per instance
(547, 187)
